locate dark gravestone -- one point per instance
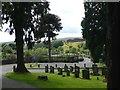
(30, 65)
(71, 68)
(76, 73)
(51, 69)
(68, 72)
(84, 65)
(43, 77)
(104, 70)
(85, 74)
(97, 78)
(77, 69)
(46, 69)
(14, 69)
(60, 71)
(95, 70)
(87, 68)
(75, 66)
(38, 65)
(65, 68)
(56, 65)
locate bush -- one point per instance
(57, 59)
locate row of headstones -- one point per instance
(85, 72)
(94, 67)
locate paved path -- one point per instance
(6, 83)
(9, 83)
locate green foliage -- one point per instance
(56, 44)
(94, 28)
(24, 21)
(7, 51)
(78, 48)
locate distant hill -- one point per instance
(68, 39)
(7, 42)
(71, 39)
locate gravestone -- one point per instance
(71, 68)
(77, 69)
(68, 72)
(56, 65)
(85, 74)
(14, 68)
(76, 73)
(60, 71)
(87, 68)
(30, 65)
(47, 65)
(51, 69)
(65, 68)
(46, 69)
(38, 65)
(75, 66)
(95, 70)
(97, 78)
(84, 65)
(104, 70)
(43, 78)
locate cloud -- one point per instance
(63, 35)
(71, 14)
(5, 37)
(70, 30)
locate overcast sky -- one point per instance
(71, 13)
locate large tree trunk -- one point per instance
(112, 46)
(19, 44)
(19, 12)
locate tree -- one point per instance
(13, 46)
(22, 17)
(111, 42)
(50, 24)
(60, 49)
(112, 45)
(94, 28)
(56, 44)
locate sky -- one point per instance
(71, 13)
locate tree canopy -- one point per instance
(25, 19)
(94, 28)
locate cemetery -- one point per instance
(64, 77)
(43, 57)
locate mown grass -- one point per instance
(57, 81)
(27, 65)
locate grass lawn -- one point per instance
(57, 81)
(27, 65)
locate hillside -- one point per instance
(70, 39)
(7, 42)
